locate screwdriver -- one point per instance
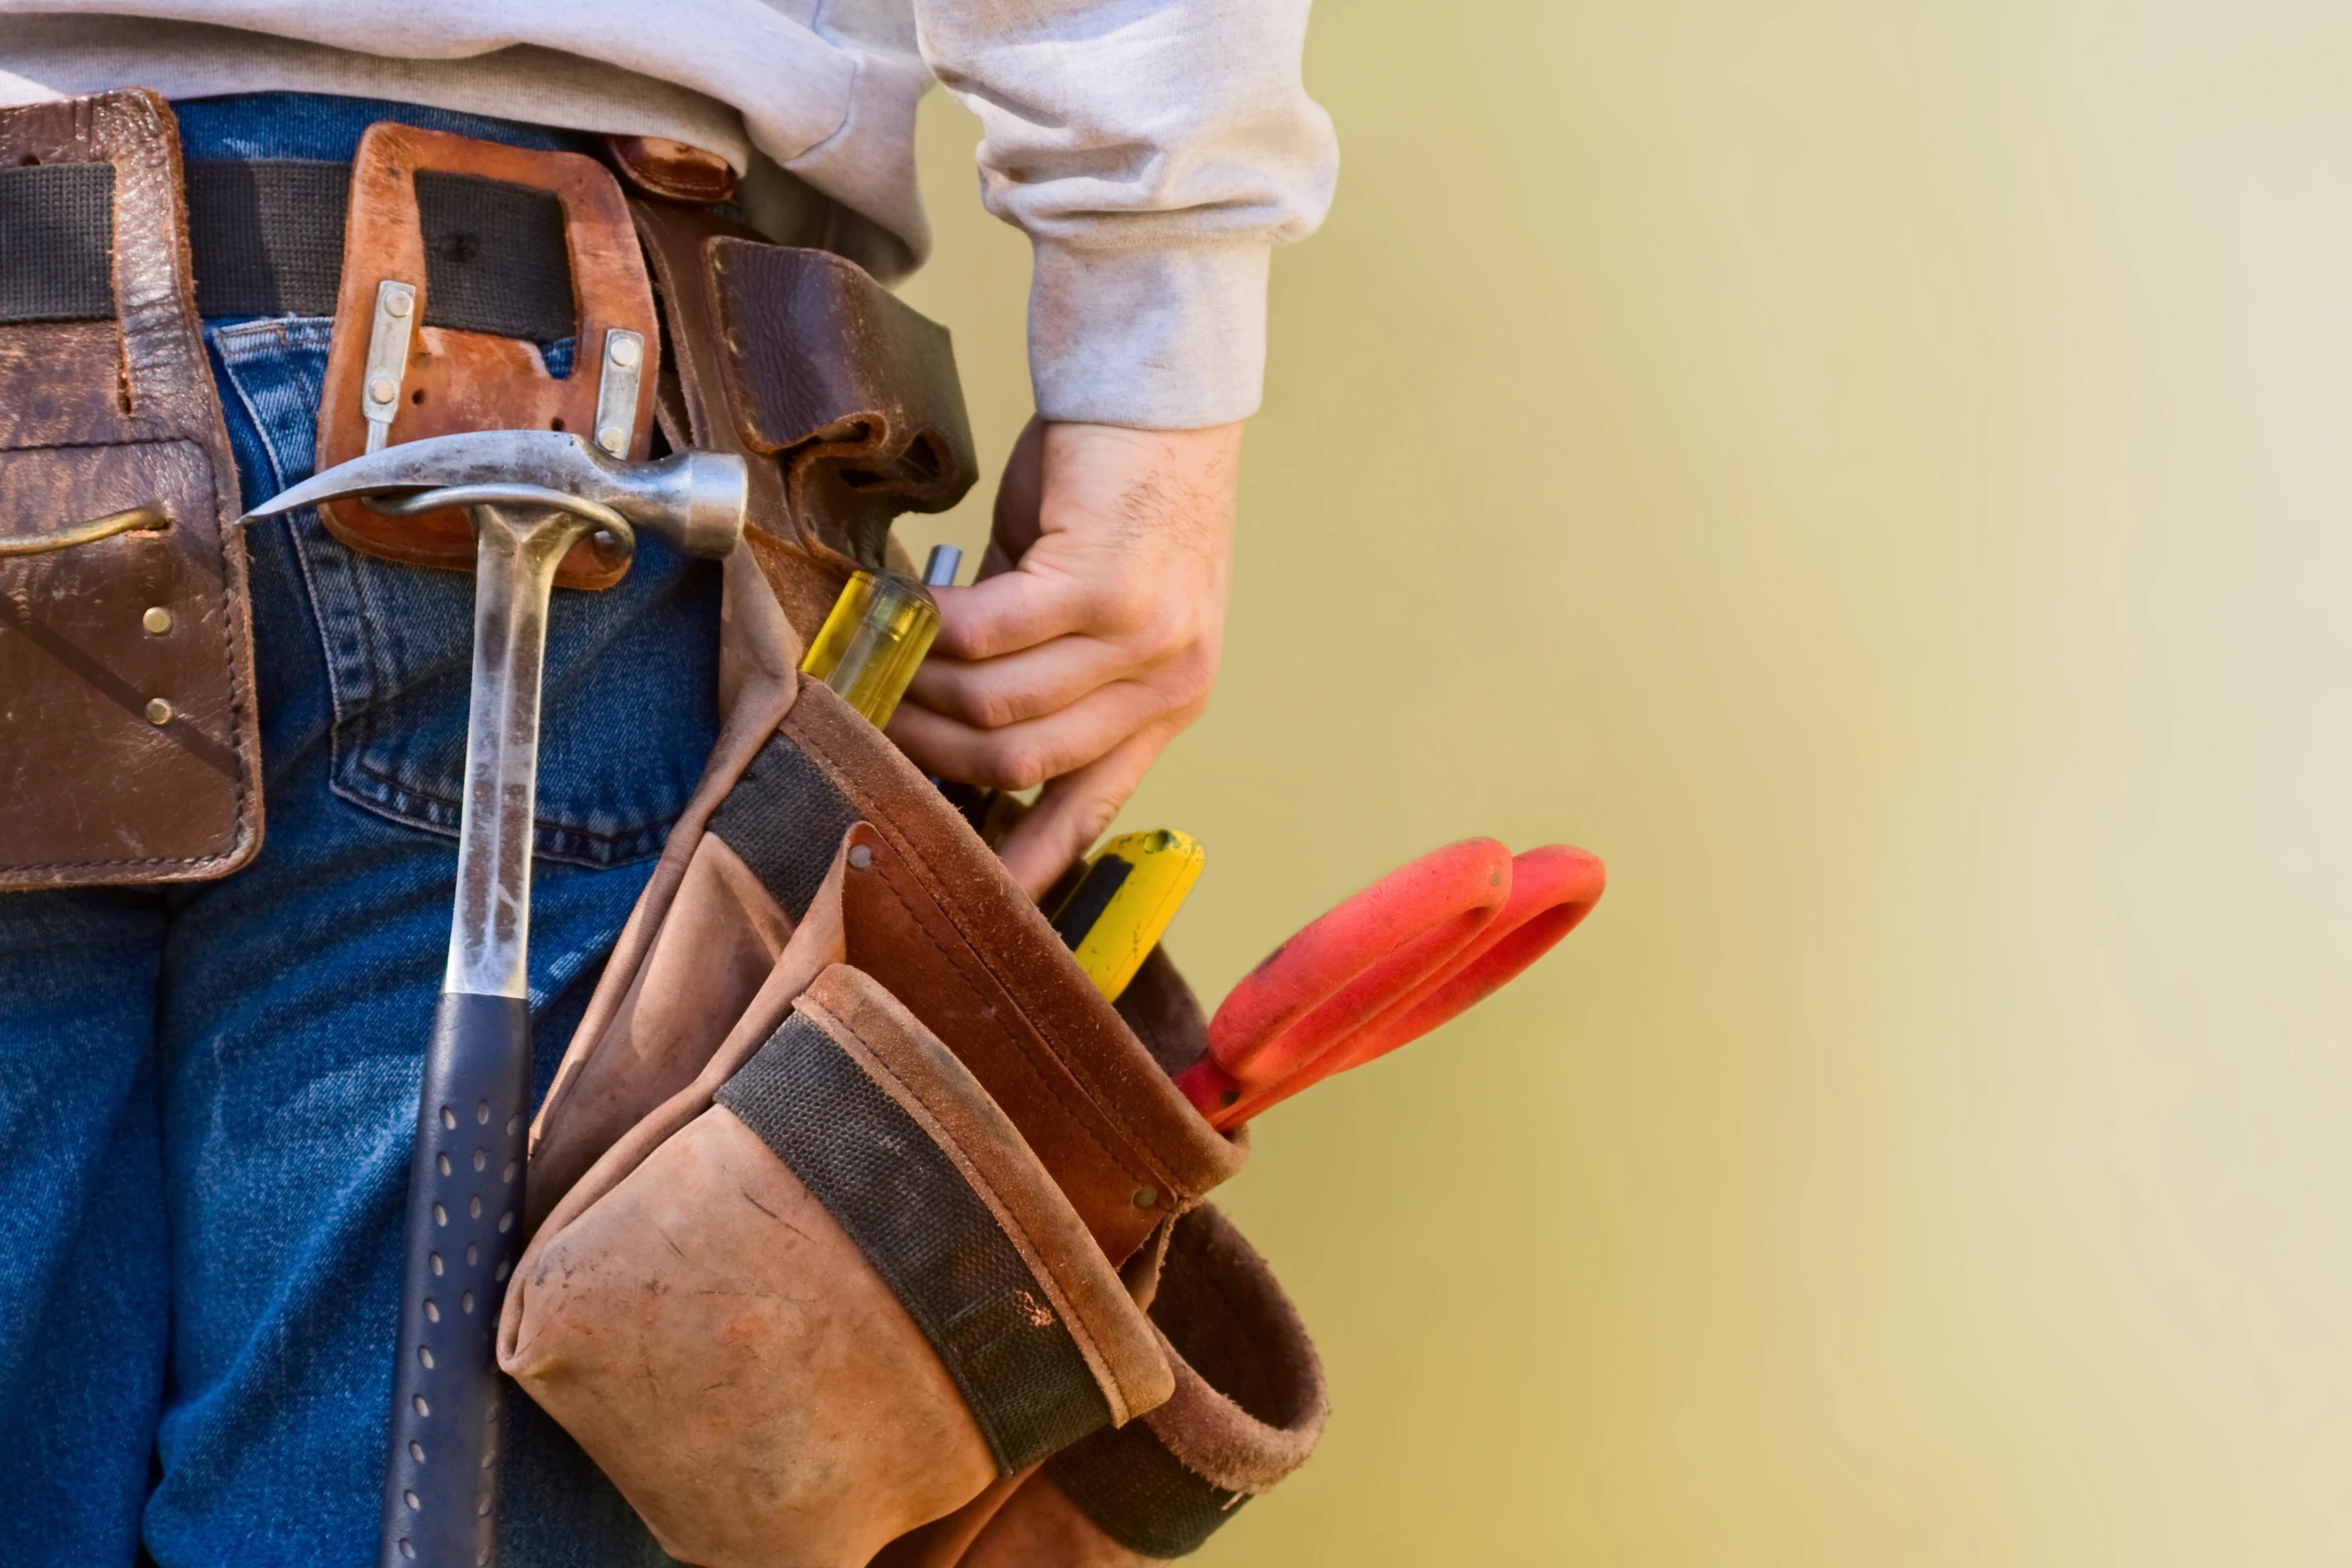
(878, 631)
(1121, 907)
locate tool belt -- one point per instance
(861, 1227)
(130, 749)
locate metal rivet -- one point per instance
(157, 620)
(382, 389)
(860, 856)
(624, 351)
(720, 260)
(159, 712)
(734, 342)
(1146, 1196)
(396, 303)
(613, 439)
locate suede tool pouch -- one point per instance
(1248, 1409)
(129, 751)
(838, 1299)
(927, 910)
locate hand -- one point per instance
(1093, 635)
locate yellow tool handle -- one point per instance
(868, 649)
(1123, 906)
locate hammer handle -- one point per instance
(464, 1232)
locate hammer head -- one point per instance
(696, 501)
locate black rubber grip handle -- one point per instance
(465, 1220)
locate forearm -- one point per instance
(1154, 153)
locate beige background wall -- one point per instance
(1876, 473)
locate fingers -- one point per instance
(1019, 755)
(1011, 611)
(1076, 809)
(991, 693)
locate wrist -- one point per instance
(1158, 339)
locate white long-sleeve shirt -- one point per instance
(1154, 151)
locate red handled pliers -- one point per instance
(1423, 944)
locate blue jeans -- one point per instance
(206, 1092)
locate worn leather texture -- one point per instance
(699, 1315)
(848, 389)
(458, 381)
(1248, 1409)
(841, 398)
(670, 170)
(95, 417)
(933, 915)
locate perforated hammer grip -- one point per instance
(465, 1218)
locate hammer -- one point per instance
(531, 496)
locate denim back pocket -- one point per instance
(630, 704)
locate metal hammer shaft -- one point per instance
(531, 495)
(466, 1175)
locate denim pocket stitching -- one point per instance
(350, 628)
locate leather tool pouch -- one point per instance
(465, 264)
(1248, 1409)
(842, 398)
(819, 878)
(128, 747)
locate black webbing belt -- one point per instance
(267, 238)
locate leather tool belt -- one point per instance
(461, 275)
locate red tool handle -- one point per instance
(1417, 948)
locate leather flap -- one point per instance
(129, 751)
(853, 389)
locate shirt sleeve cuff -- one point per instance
(1157, 339)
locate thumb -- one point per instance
(1019, 498)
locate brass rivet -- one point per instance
(1146, 1196)
(720, 260)
(382, 389)
(157, 620)
(734, 342)
(159, 712)
(624, 351)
